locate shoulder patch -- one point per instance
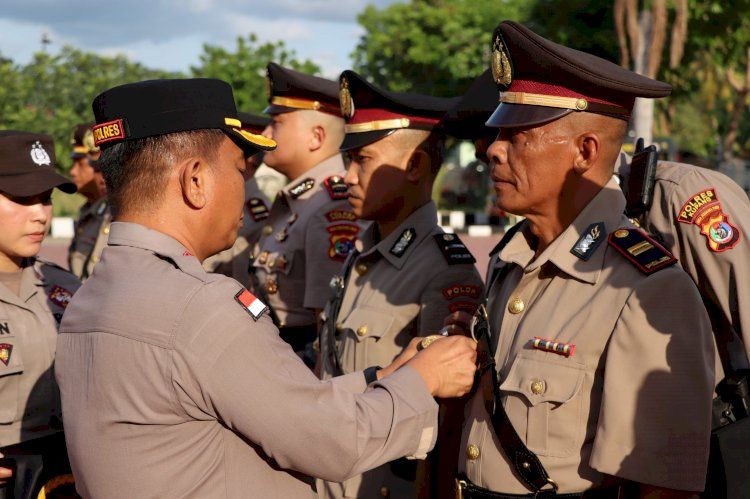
(250, 303)
(336, 187)
(342, 238)
(60, 296)
(257, 209)
(301, 188)
(641, 250)
(453, 249)
(591, 238)
(341, 216)
(402, 244)
(705, 211)
(456, 290)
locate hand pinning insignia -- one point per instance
(590, 240)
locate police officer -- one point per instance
(303, 245)
(406, 274)
(33, 297)
(174, 381)
(599, 369)
(92, 226)
(234, 261)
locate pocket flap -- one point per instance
(541, 380)
(367, 323)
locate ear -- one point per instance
(194, 179)
(317, 138)
(418, 166)
(588, 148)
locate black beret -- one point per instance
(253, 123)
(542, 80)
(466, 120)
(158, 107)
(27, 164)
(290, 90)
(372, 113)
(83, 141)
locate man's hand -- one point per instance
(458, 323)
(5, 474)
(447, 366)
(405, 356)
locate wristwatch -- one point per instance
(371, 375)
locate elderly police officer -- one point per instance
(33, 297)
(302, 248)
(174, 381)
(234, 261)
(406, 274)
(601, 368)
(92, 226)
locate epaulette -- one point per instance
(257, 208)
(336, 187)
(642, 251)
(453, 249)
(301, 188)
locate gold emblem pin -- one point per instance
(516, 306)
(263, 258)
(429, 340)
(502, 70)
(267, 229)
(272, 287)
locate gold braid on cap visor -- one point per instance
(575, 103)
(258, 140)
(397, 123)
(312, 105)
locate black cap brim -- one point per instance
(32, 183)
(520, 115)
(357, 140)
(276, 109)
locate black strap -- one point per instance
(334, 307)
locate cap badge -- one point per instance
(39, 155)
(345, 98)
(502, 69)
(88, 142)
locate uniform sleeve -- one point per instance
(240, 372)
(326, 246)
(655, 417)
(720, 270)
(457, 288)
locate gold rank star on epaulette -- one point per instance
(641, 250)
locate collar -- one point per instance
(141, 237)
(31, 280)
(421, 221)
(318, 173)
(606, 207)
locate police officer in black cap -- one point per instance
(33, 297)
(92, 226)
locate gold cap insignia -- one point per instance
(345, 99)
(502, 69)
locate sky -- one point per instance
(169, 34)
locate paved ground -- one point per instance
(56, 250)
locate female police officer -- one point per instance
(33, 296)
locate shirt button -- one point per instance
(385, 491)
(472, 452)
(361, 268)
(267, 229)
(105, 230)
(94, 258)
(272, 287)
(362, 330)
(516, 306)
(537, 387)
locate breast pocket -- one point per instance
(369, 336)
(11, 368)
(549, 392)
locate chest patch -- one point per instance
(257, 209)
(250, 303)
(641, 250)
(453, 249)
(6, 349)
(336, 187)
(705, 211)
(590, 240)
(60, 296)
(403, 242)
(342, 238)
(340, 216)
(301, 188)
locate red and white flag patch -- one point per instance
(250, 303)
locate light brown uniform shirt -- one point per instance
(29, 398)
(91, 232)
(306, 239)
(703, 217)
(234, 262)
(634, 398)
(400, 287)
(172, 388)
